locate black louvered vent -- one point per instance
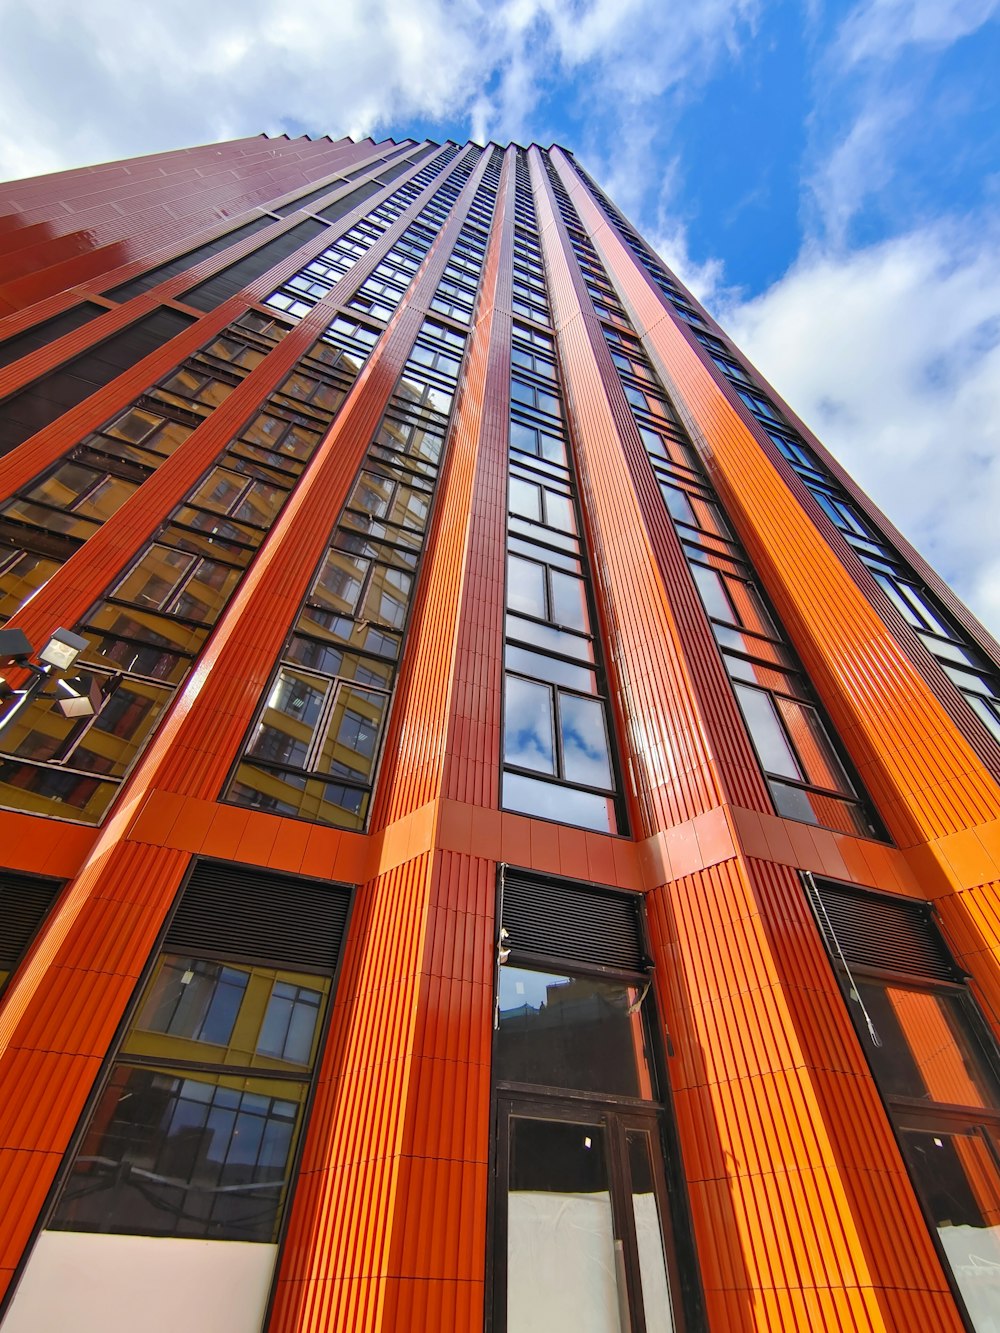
(153, 276)
(897, 936)
(24, 901)
(40, 335)
(231, 911)
(39, 403)
(228, 281)
(571, 921)
(339, 207)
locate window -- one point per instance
(937, 1068)
(585, 1228)
(961, 659)
(313, 749)
(196, 1128)
(557, 756)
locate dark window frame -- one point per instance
(618, 1114)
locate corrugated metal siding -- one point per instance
(803, 1214)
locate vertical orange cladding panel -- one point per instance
(61, 1014)
(389, 1218)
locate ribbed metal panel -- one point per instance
(233, 911)
(873, 931)
(576, 922)
(24, 900)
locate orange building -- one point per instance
(498, 831)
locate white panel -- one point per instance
(118, 1284)
(560, 1264)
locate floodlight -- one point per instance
(15, 647)
(80, 695)
(62, 649)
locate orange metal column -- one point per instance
(388, 1228)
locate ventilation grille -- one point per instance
(228, 281)
(154, 276)
(40, 335)
(39, 403)
(872, 931)
(231, 911)
(571, 921)
(24, 901)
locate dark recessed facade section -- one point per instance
(339, 208)
(342, 206)
(575, 922)
(40, 335)
(154, 276)
(211, 293)
(238, 912)
(40, 403)
(24, 903)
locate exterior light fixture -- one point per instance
(15, 648)
(62, 649)
(79, 696)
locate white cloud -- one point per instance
(892, 355)
(873, 103)
(103, 80)
(877, 30)
(859, 166)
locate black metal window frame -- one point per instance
(226, 953)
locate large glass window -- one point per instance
(147, 629)
(558, 758)
(195, 1130)
(313, 748)
(196, 1125)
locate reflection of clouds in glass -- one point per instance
(528, 739)
(525, 586)
(585, 747)
(569, 603)
(549, 800)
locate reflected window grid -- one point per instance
(362, 604)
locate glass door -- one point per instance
(580, 1215)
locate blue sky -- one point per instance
(825, 175)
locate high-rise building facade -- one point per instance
(497, 830)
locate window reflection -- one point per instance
(321, 765)
(572, 1032)
(529, 738)
(170, 1154)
